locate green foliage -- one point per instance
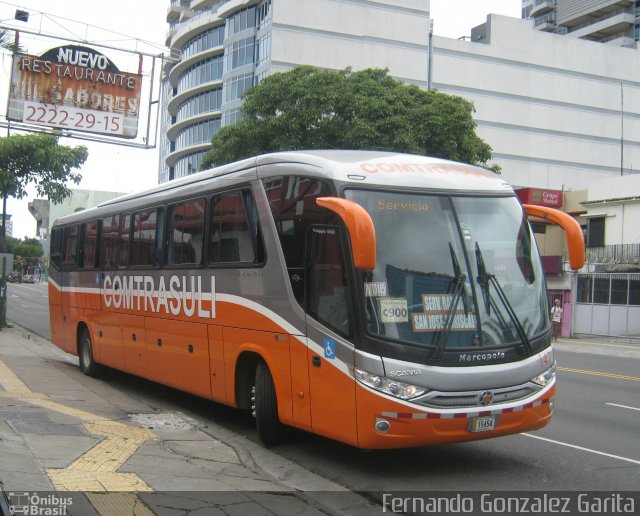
(29, 250)
(7, 41)
(37, 158)
(309, 108)
(25, 248)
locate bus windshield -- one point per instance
(452, 272)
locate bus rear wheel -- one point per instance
(265, 407)
(87, 363)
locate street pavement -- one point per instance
(80, 446)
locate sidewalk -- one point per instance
(64, 435)
(599, 346)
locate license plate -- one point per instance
(483, 424)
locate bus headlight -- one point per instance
(395, 388)
(545, 377)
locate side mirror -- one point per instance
(360, 227)
(573, 231)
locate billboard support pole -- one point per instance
(151, 101)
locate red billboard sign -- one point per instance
(540, 197)
(75, 88)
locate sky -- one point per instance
(456, 18)
(131, 23)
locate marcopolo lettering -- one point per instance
(481, 357)
(179, 295)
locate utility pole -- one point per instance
(430, 63)
(621, 129)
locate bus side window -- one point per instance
(327, 284)
(88, 255)
(124, 246)
(293, 205)
(235, 235)
(109, 242)
(70, 247)
(186, 232)
(144, 245)
(56, 248)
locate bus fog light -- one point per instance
(382, 425)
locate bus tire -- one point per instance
(88, 364)
(270, 429)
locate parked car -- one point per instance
(13, 277)
(28, 278)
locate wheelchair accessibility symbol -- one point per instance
(329, 349)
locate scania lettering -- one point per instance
(408, 372)
(383, 300)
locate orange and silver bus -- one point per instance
(379, 299)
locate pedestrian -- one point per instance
(556, 320)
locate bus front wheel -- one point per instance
(87, 363)
(265, 404)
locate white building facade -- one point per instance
(559, 112)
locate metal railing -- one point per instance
(614, 254)
(602, 18)
(547, 18)
(626, 34)
(536, 3)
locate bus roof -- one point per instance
(361, 168)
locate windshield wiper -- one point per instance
(485, 280)
(460, 278)
(440, 341)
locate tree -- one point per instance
(37, 158)
(27, 247)
(27, 251)
(309, 108)
(7, 41)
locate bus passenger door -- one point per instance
(329, 325)
(55, 288)
(301, 402)
(68, 277)
(332, 389)
(55, 307)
